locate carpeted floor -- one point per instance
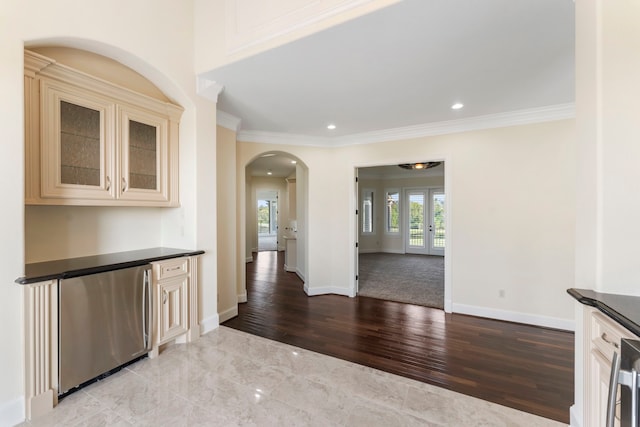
(415, 279)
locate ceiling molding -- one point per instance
(209, 89)
(512, 118)
(228, 121)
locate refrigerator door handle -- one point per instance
(146, 311)
(613, 389)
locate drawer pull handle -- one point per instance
(174, 268)
(164, 297)
(604, 338)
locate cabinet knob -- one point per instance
(164, 297)
(108, 183)
(124, 185)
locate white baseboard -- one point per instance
(12, 412)
(289, 269)
(300, 275)
(574, 418)
(328, 290)
(514, 316)
(209, 324)
(242, 297)
(228, 314)
(248, 259)
(368, 251)
(393, 251)
(254, 249)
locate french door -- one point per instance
(424, 219)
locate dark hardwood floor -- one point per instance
(520, 366)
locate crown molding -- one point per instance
(228, 121)
(209, 89)
(512, 118)
(283, 138)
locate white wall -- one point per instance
(134, 33)
(511, 219)
(263, 184)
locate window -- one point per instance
(367, 211)
(392, 211)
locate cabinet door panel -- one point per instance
(143, 156)
(77, 143)
(172, 311)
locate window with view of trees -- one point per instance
(393, 211)
(367, 211)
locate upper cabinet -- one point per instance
(91, 142)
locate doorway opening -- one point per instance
(402, 234)
(267, 216)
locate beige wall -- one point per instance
(137, 38)
(511, 215)
(227, 224)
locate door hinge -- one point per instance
(356, 179)
(356, 277)
(356, 211)
(356, 244)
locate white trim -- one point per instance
(12, 412)
(328, 290)
(392, 251)
(242, 297)
(514, 316)
(228, 314)
(209, 324)
(574, 418)
(490, 121)
(228, 121)
(248, 259)
(300, 275)
(209, 89)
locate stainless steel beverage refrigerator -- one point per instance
(625, 378)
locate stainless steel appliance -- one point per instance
(625, 372)
(105, 322)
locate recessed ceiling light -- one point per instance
(331, 126)
(268, 155)
(293, 162)
(457, 106)
(269, 173)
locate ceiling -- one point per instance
(406, 65)
(401, 66)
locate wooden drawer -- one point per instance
(170, 268)
(606, 334)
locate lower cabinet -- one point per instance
(603, 338)
(175, 305)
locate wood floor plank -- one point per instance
(520, 366)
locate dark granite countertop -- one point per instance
(624, 309)
(74, 267)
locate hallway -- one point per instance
(520, 366)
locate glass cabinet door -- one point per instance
(77, 143)
(143, 155)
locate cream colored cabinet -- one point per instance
(89, 142)
(175, 296)
(604, 339)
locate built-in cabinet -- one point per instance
(175, 294)
(91, 142)
(602, 339)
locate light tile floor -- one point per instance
(230, 378)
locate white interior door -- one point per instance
(424, 219)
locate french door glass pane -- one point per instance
(438, 221)
(416, 220)
(393, 220)
(367, 211)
